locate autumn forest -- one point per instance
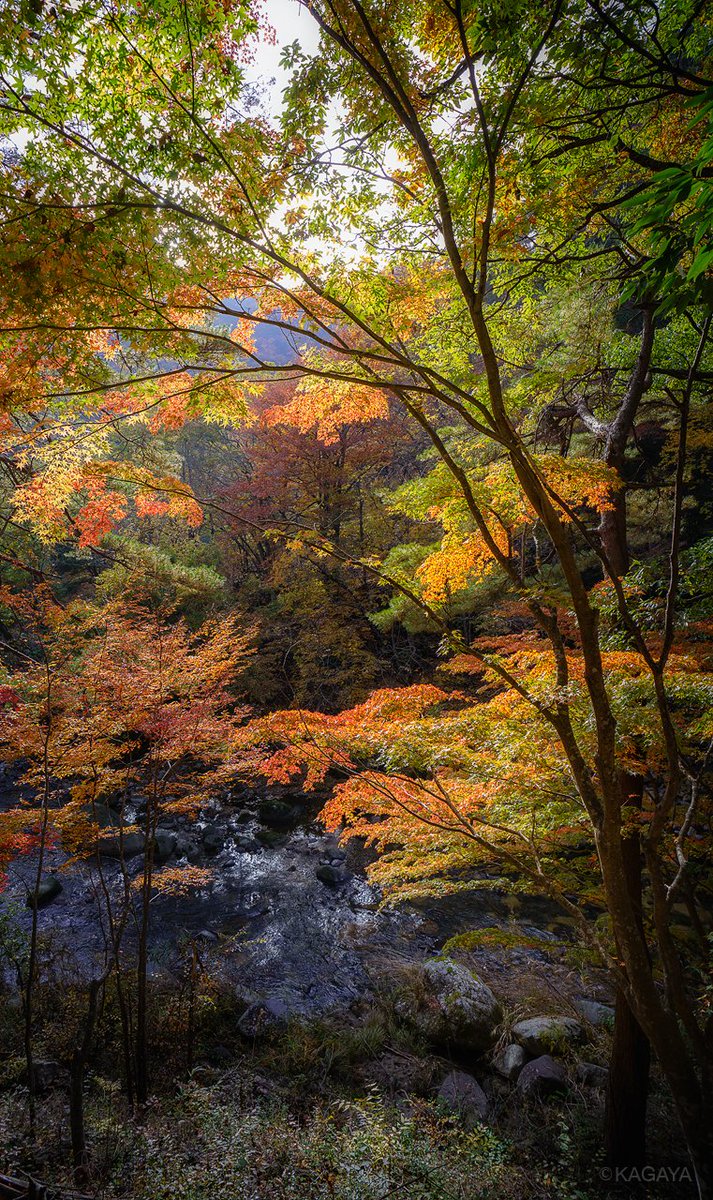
(356, 599)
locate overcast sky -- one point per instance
(291, 23)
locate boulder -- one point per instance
(114, 845)
(599, 1015)
(545, 1035)
(331, 874)
(165, 842)
(592, 1075)
(103, 815)
(269, 838)
(186, 847)
(213, 840)
(247, 844)
(452, 1006)
(463, 1096)
(276, 814)
(263, 1018)
(541, 1077)
(509, 1061)
(48, 890)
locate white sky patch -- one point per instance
(292, 23)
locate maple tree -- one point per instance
(106, 701)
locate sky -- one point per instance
(291, 22)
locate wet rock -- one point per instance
(276, 814)
(270, 838)
(541, 1078)
(463, 1096)
(542, 1035)
(599, 1015)
(213, 840)
(247, 844)
(509, 1062)
(452, 1006)
(242, 817)
(48, 890)
(592, 1075)
(330, 874)
(103, 815)
(186, 847)
(116, 845)
(264, 1018)
(165, 842)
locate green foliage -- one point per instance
(675, 212)
(356, 1150)
(158, 579)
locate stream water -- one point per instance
(266, 920)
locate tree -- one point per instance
(107, 701)
(486, 157)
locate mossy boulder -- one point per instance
(450, 1006)
(548, 1035)
(277, 814)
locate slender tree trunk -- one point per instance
(612, 531)
(142, 968)
(80, 1055)
(630, 1060)
(29, 993)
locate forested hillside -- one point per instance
(356, 549)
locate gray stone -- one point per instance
(48, 890)
(187, 847)
(543, 1035)
(462, 1095)
(103, 815)
(165, 842)
(509, 1061)
(247, 844)
(276, 814)
(263, 1018)
(213, 840)
(541, 1077)
(592, 1075)
(269, 838)
(452, 1007)
(595, 1013)
(330, 874)
(115, 845)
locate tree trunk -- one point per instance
(76, 1083)
(629, 1064)
(628, 1088)
(612, 531)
